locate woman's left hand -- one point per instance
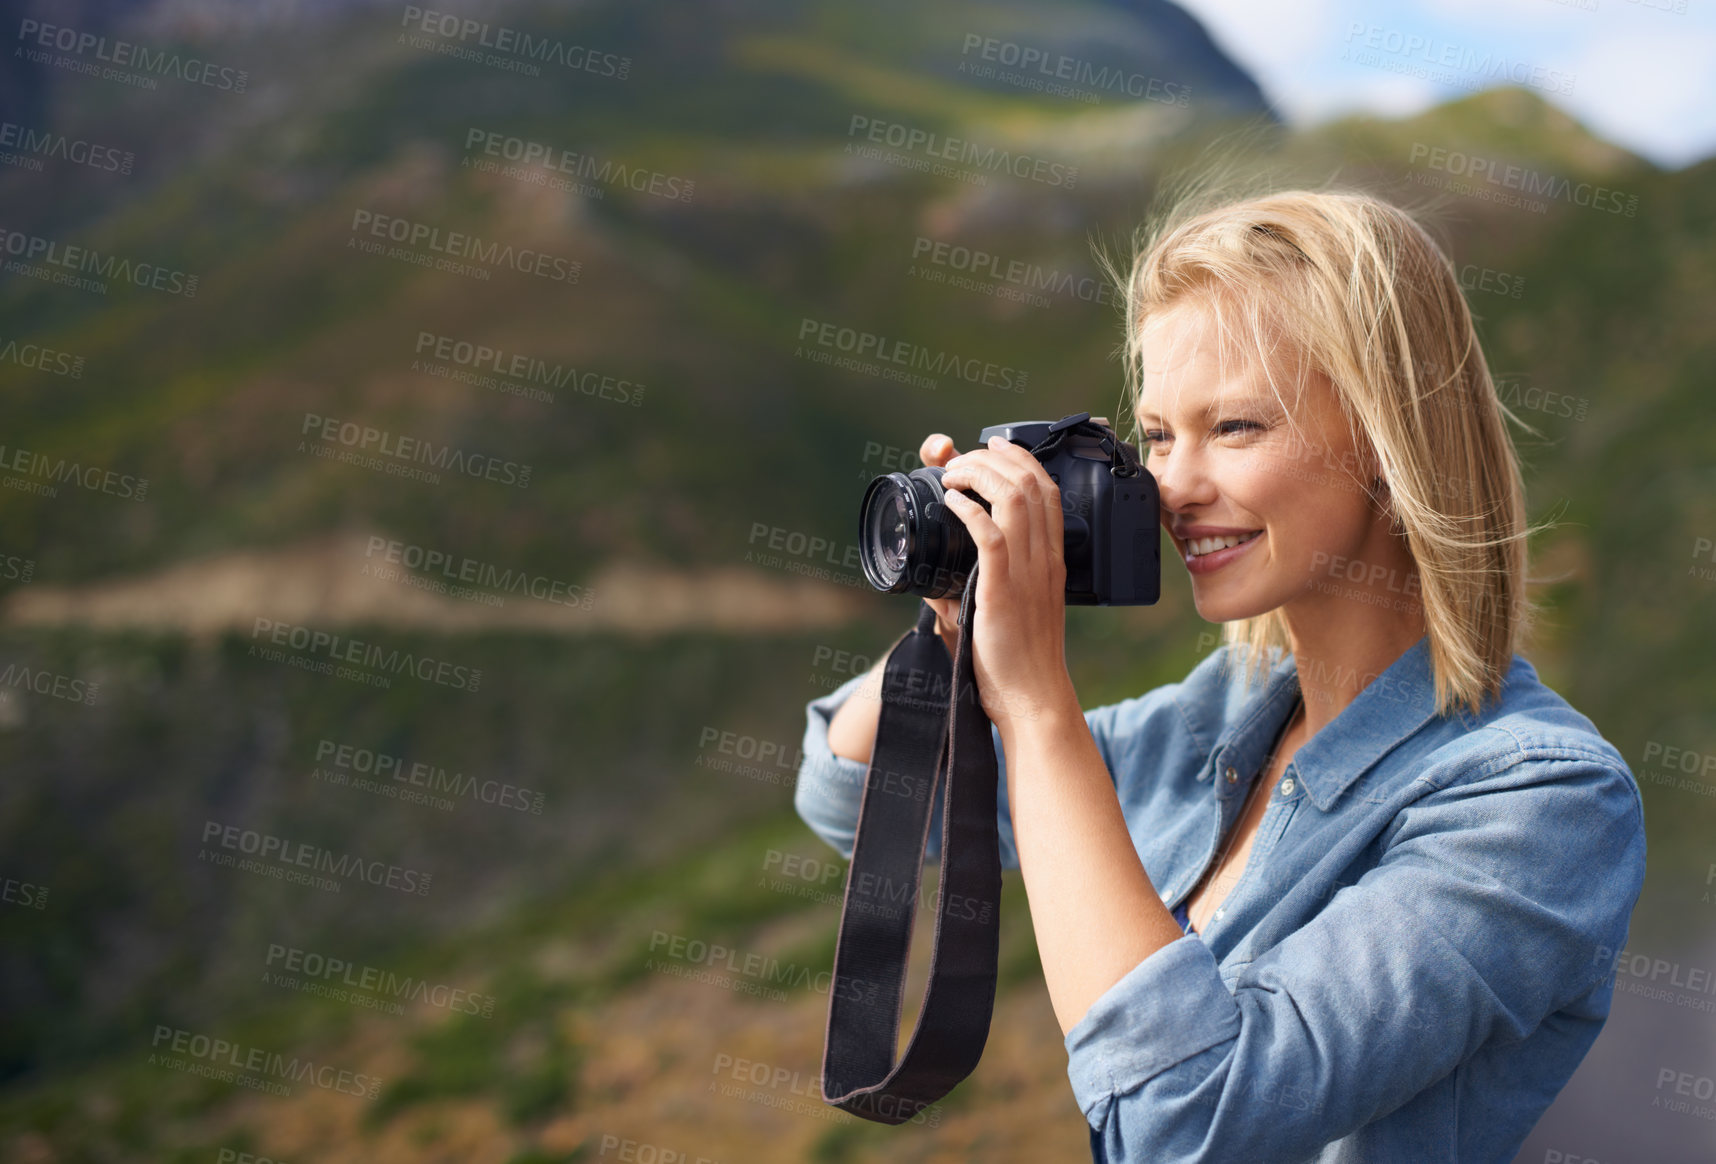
(1019, 641)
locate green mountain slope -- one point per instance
(1592, 308)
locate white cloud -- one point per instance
(1385, 95)
(1268, 39)
(1645, 74)
(1655, 94)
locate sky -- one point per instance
(1640, 73)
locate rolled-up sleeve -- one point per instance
(1479, 921)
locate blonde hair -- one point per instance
(1361, 293)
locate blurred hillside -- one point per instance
(685, 415)
(743, 110)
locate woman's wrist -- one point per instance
(1037, 719)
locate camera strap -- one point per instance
(1122, 458)
(932, 739)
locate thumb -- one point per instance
(937, 450)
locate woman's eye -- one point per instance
(1154, 437)
(1233, 427)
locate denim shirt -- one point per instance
(1410, 966)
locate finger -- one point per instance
(937, 450)
(986, 535)
(1028, 477)
(986, 470)
(997, 482)
(1025, 496)
(1043, 494)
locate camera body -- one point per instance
(911, 543)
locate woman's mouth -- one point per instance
(1206, 554)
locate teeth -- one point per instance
(1196, 547)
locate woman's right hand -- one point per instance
(936, 451)
(852, 731)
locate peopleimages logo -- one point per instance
(456, 245)
(1432, 58)
(25, 894)
(16, 568)
(314, 973)
(124, 54)
(1044, 71)
(776, 976)
(55, 261)
(41, 359)
(222, 1055)
(514, 49)
(484, 576)
(66, 472)
(1523, 180)
(35, 144)
(470, 362)
(341, 649)
(353, 758)
(937, 147)
(52, 683)
(363, 438)
(532, 155)
(906, 361)
(304, 855)
(986, 266)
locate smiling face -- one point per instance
(1263, 500)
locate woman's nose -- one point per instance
(1181, 481)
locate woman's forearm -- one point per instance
(1095, 913)
(852, 729)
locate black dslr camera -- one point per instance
(911, 543)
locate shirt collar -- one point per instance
(1392, 706)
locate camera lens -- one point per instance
(886, 531)
(909, 542)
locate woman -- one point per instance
(1341, 893)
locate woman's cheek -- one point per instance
(1249, 476)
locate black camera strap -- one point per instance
(928, 725)
(1122, 458)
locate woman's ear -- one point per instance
(1376, 488)
(1383, 498)
(1370, 466)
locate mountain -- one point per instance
(719, 198)
(759, 189)
(744, 109)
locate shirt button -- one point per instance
(1231, 775)
(1287, 787)
(1221, 913)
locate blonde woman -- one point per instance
(1342, 893)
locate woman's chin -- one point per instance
(1227, 607)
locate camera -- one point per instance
(910, 542)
